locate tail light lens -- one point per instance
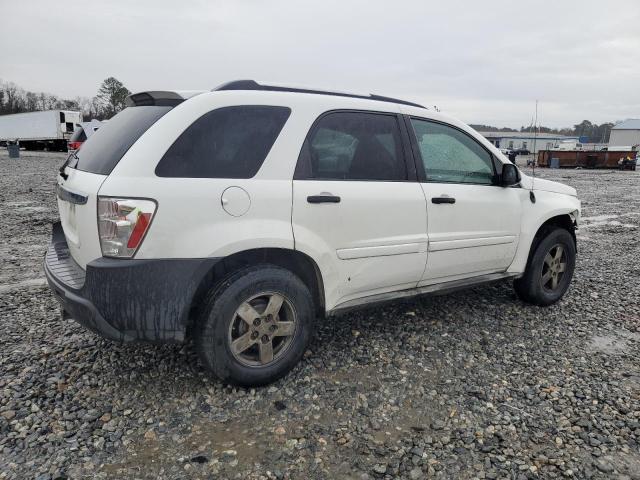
(74, 145)
(122, 224)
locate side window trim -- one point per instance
(302, 172)
(422, 174)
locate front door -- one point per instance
(356, 209)
(474, 224)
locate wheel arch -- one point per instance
(530, 237)
(565, 221)
(295, 261)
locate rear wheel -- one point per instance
(255, 326)
(550, 269)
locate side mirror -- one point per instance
(510, 175)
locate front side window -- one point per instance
(230, 142)
(353, 146)
(449, 155)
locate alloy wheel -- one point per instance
(554, 267)
(262, 329)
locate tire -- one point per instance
(233, 345)
(537, 285)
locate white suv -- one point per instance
(237, 217)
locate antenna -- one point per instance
(532, 196)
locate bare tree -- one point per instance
(13, 95)
(31, 101)
(112, 95)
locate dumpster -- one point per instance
(14, 150)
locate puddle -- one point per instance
(34, 209)
(614, 343)
(607, 220)
(598, 218)
(612, 223)
(260, 435)
(32, 282)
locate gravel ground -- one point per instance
(469, 385)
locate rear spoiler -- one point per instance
(160, 98)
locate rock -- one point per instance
(416, 474)
(199, 459)
(438, 425)
(8, 414)
(603, 466)
(229, 455)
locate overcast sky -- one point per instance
(484, 62)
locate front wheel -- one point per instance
(255, 326)
(550, 269)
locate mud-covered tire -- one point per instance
(535, 286)
(220, 320)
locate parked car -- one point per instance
(80, 135)
(242, 216)
(506, 151)
(521, 151)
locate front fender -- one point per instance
(547, 206)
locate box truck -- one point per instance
(39, 130)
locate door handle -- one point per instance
(443, 200)
(323, 198)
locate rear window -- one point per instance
(104, 149)
(230, 142)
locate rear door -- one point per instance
(474, 224)
(357, 206)
(84, 172)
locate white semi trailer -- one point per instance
(49, 129)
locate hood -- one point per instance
(547, 185)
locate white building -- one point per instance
(525, 140)
(626, 133)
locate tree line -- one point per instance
(108, 101)
(112, 93)
(592, 131)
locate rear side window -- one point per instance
(104, 149)
(353, 146)
(230, 142)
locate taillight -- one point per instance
(74, 145)
(122, 224)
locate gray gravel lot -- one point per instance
(469, 385)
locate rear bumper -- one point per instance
(126, 300)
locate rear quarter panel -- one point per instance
(190, 221)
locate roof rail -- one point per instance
(253, 85)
